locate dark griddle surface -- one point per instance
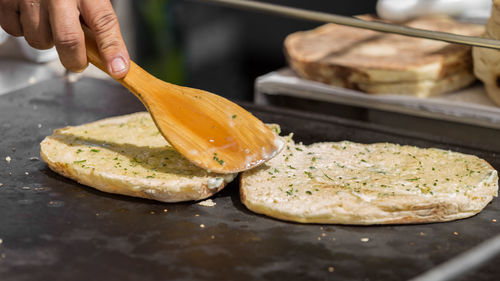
(55, 229)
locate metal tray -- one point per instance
(53, 228)
(467, 114)
(470, 105)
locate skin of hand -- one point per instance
(45, 23)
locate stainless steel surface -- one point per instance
(354, 22)
(53, 228)
(465, 262)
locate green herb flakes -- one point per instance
(218, 160)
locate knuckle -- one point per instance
(69, 41)
(109, 44)
(104, 22)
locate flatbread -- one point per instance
(422, 88)
(382, 183)
(362, 59)
(128, 155)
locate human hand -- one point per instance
(45, 23)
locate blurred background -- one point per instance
(223, 50)
(218, 49)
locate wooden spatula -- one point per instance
(209, 130)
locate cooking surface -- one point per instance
(55, 229)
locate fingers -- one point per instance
(48, 22)
(9, 17)
(35, 24)
(68, 34)
(101, 19)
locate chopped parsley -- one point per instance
(326, 176)
(216, 158)
(413, 179)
